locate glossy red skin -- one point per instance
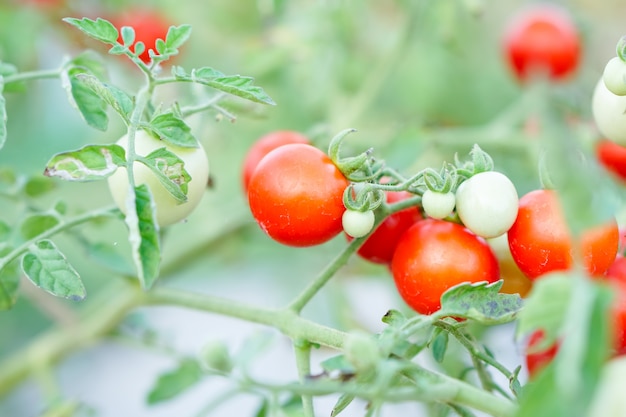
(434, 255)
(537, 360)
(542, 40)
(381, 244)
(264, 145)
(149, 25)
(613, 157)
(296, 195)
(616, 276)
(540, 241)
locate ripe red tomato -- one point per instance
(542, 40)
(537, 360)
(613, 157)
(540, 241)
(296, 195)
(149, 25)
(434, 255)
(263, 146)
(381, 244)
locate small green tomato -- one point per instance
(609, 113)
(358, 223)
(168, 209)
(614, 76)
(487, 203)
(438, 205)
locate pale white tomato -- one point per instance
(614, 76)
(357, 223)
(438, 205)
(487, 203)
(168, 209)
(609, 113)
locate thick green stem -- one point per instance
(303, 362)
(109, 309)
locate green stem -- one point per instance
(84, 218)
(303, 363)
(32, 75)
(109, 309)
(211, 103)
(285, 320)
(324, 276)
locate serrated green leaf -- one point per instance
(172, 129)
(394, 318)
(128, 36)
(36, 224)
(440, 346)
(546, 307)
(160, 46)
(177, 36)
(170, 171)
(121, 102)
(341, 404)
(38, 186)
(90, 62)
(89, 163)
(143, 235)
(237, 85)
(48, 269)
(481, 302)
(9, 281)
(99, 29)
(175, 382)
(91, 106)
(3, 115)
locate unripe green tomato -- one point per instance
(168, 209)
(215, 357)
(362, 351)
(438, 205)
(609, 113)
(487, 203)
(614, 76)
(357, 223)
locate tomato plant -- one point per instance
(168, 209)
(433, 256)
(295, 195)
(540, 241)
(542, 40)
(380, 245)
(263, 146)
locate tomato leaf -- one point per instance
(176, 381)
(172, 129)
(143, 234)
(237, 85)
(48, 269)
(177, 36)
(89, 163)
(89, 62)
(106, 255)
(480, 301)
(36, 224)
(90, 105)
(99, 29)
(439, 345)
(9, 282)
(170, 170)
(121, 102)
(341, 404)
(128, 36)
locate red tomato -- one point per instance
(381, 244)
(263, 146)
(616, 276)
(613, 157)
(542, 40)
(537, 360)
(149, 26)
(296, 195)
(434, 255)
(540, 241)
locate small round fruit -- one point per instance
(380, 245)
(614, 76)
(487, 203)
(358, 223)
(609, 113)
(540, 240)
(434, 255)
(264, 145)
(542, 40)
(168, 209)
(612, 157)
(438, 205)
(296, 195)
(536, 360)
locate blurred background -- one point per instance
(420, 80)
